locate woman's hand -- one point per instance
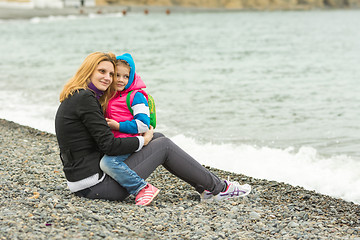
(113, 124)
(148, 136)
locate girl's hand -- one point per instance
(148, 136)
(113, 124)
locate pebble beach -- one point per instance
(36, 204)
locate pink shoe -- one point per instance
(146, 195)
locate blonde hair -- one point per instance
(81, 79)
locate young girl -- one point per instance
(125, 124)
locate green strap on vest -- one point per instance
(152, 109)
(128, 102)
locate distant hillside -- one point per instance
(242, 4)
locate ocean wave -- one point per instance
(336, 176)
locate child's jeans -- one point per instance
(115, 167)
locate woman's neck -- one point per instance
(98, 93)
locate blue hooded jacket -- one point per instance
(128, 58)
(118, 110)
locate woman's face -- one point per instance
(102, 77)
(122, 77)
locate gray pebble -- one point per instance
(254, 215)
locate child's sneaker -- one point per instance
(206, 196)
(146, 195)
(233, 190)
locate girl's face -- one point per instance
(103, 75)
(122, 78)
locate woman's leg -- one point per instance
(162, 151)
(108, 189)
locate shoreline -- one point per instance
(8, 13)
(11, 13)
(36, 204)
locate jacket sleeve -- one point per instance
(141, 121)
(91, 115)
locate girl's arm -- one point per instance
(141, 121)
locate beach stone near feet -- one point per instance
(293, 224)
(254, 215)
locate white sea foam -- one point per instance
(55, 18)
(35, 20)
(336, 176)
(18, 109)
(51, 18)
(32, 120)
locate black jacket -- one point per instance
(84, 136)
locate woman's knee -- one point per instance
(164, 142)
(158, 135)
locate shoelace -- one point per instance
(235, 182)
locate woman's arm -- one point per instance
(91, 115)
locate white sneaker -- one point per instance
(206, 196)
(233, 190)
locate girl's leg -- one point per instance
(162, 151)
(115, 167)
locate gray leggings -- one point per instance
(160, 151)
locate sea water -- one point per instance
(273, 95)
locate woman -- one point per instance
(84, 137)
